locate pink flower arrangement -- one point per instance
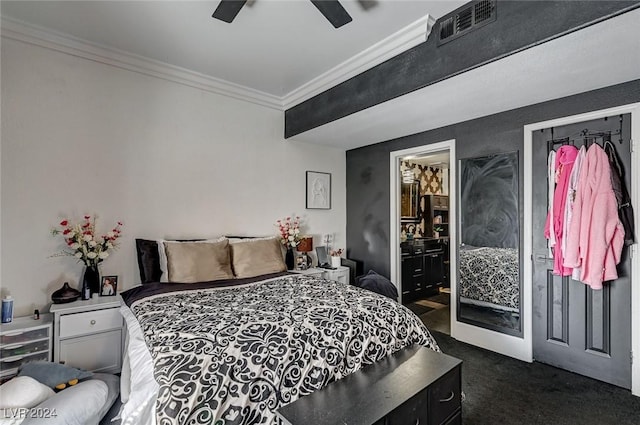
(82, 242)
(289, 231)
(336, 252)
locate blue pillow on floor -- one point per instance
(54, 375)
(378, 284)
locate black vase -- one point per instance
(91, 279)
(66, 294)
(289, 259)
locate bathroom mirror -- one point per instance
(410, 201)
(489, 284)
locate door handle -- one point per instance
(448, 398)
(542, 258)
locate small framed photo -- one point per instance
(318, 190)
(301, 262)
(109, 286)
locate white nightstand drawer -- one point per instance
(89, 322)
(340, 274)
(96, 353)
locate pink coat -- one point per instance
(565, 157)
(595, 236)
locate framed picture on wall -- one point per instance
(318, 190)
(109, 286)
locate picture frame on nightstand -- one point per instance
(109, 286)
(301, 261)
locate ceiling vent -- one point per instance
(465, 19)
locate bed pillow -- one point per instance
(148, 260)
(23, 392)
(189, 262)
(377, 283)
(152, 260)
(81, 404)
(54, 375)
(164, 270)
(254, 257)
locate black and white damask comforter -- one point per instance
(490, 277)
(233, 355)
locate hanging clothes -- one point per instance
(596, 235)
(625, 209)
(549, 231)
(568, 209)
(565, 157)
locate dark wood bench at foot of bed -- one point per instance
(413, 386)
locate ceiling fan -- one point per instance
(227, 10)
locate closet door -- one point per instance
(574, 327)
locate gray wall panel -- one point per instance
(368, 202)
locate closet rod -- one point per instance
(583, 136)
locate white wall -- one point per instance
(166, 159)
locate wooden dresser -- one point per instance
(413, 386)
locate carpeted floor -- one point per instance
(442, 298)
(502, 390)
(419, 309)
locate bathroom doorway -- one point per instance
(422, 210)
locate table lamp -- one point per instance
(305, 246)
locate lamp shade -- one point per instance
(305, 245)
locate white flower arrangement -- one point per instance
(289, 231)
(82, 242)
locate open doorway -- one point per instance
(423, 231)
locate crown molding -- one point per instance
(43, 37)
(410, 36)
(398, 42)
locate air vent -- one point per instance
(465, 19)
(446, 28)
(483, 10)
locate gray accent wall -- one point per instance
(368, 199)
(519, 25)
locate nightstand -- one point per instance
(24, 340)
(314, 271)
(88, 334)
(340, 274)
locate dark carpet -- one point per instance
(418, 309)
(441, 298)
(502, 390)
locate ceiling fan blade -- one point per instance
(227, 10)
(333, 11)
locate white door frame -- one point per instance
(634, 110)
(394, 237)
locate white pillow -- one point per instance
(164, 277)
(80, 404)
(23, 391)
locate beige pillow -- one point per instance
(190, 262)
(253, 257)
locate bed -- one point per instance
(232, 351)
(489, 277)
